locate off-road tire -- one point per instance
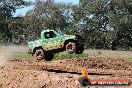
(79, 50)
(39, 54)
(70, 47)
(49, 56)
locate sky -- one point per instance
(22, 12)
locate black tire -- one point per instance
(49, 56)
(79, 50)
(70, 47)
(39, 54)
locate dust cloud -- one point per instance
(7, 52)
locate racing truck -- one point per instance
(52, 42)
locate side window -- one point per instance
(49, 34)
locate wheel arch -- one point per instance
(67, 41)
(38, 47)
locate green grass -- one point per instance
(58, 56)
(69, 56)
(21, 56)
(130, 58)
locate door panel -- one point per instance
(52, 41)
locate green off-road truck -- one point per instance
(52, 42)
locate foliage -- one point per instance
(105, 24)
(7, 8)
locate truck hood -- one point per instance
(69, 36)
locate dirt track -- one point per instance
(62, 73)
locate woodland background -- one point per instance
(105, 24)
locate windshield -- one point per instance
(60, 32)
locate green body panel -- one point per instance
(51, 43)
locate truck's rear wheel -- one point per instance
(39, 54)
(79, 50)
(49, 56)
(70, 47)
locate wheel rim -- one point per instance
(69, 47)
(39, 55)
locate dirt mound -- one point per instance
(62, 73)
(93, 65)
(25, 77)
(103, 63)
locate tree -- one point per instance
(106, 17)
(47, 15)
(7, 8)
(91, 20)
(121, 19)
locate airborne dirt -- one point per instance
(22, 73)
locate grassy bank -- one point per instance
(68, 56)
(58, 56)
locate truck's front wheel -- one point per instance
(70, 47)
(39, 54)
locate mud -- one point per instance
(21, 73)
